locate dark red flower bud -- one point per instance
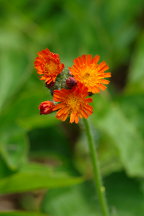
(46, 107)
(90, 93)
(71, 82)
(50, 85)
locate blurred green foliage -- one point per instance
(18, 213)
(39, 152)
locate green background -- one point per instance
(44, 164)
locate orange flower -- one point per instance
(73, 103)
(46, 107)
(48, 65)
(91, 74)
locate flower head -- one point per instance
(91, 74)
(46, 107)
(71, 88)
(73, 103)
(48, 65)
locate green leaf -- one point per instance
(33, 177)
(23, 112)
(72, 201)
(124, 195)
(136, 73)
(20, 213)
(133, 108)
(125, 137)
(4, 169)
(11, 76)
(13, 146)
(124, 198)
(14, 59)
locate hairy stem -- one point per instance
(96, 171)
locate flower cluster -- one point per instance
(70, 88)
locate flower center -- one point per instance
(73, 102)
(88, 75)
(50, 68)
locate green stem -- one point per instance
(96, 171)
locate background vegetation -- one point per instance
(44, 164)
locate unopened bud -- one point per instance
(71, 82)
(46, 107)
(90, 93)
